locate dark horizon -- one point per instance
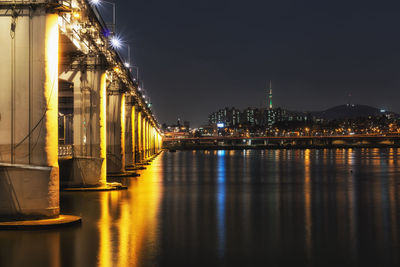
(195, 58)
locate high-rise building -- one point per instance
(270, 95)
(228, 116)
(249, 116)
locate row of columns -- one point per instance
(127, 135)
(110, 129)
(139, 139)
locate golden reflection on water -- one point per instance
(104, 257)
(307, 203)
(122, 240)
(393, 211)
(350, 157)
(349, 210)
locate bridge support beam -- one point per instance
(29, 173)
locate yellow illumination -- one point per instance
(117, 69)
(138, 221)
(133, 132)
(51, 89)
(124, 227)
(145, 138)
(307, 202)
(123, 130)
(103, 129)
(146, 127)
(104, 226)
(76, 15)
(139, 125)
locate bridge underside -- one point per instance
(68, 109)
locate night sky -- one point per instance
(198, 56)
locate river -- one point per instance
(327, 207)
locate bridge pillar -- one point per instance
(130, 132)
(146, 121)
(158, 142)
(139, 150)
(156, 148)
(86, 166)
(115, 132)
(144, 137)
(29, 173)
(152, 138)
(134, 133)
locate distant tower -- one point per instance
(270, 95)
(349, 100)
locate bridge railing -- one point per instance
(26, 1)
(65, 151)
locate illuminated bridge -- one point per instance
(70, 111)
(265, 142)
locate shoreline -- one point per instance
(263, 147)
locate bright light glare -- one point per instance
(95, 2)
(127, 64)
(116, 42)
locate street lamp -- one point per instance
(116, 42)
(98, 3)
(128, 62)
(137, 72)
(130, 66)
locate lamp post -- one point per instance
(130, 66)
(137, 72)
(98, 3)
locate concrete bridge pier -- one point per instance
(115, 131)
(129, 132)
(81, 100)
(152, 141)
(29, 185)
(146, 139)
(29, 172)
(140, 137)
(137, 135)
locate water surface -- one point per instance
(328, 207)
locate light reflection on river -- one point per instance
(336, 207)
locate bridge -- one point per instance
(264, 142)
(70, 111)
